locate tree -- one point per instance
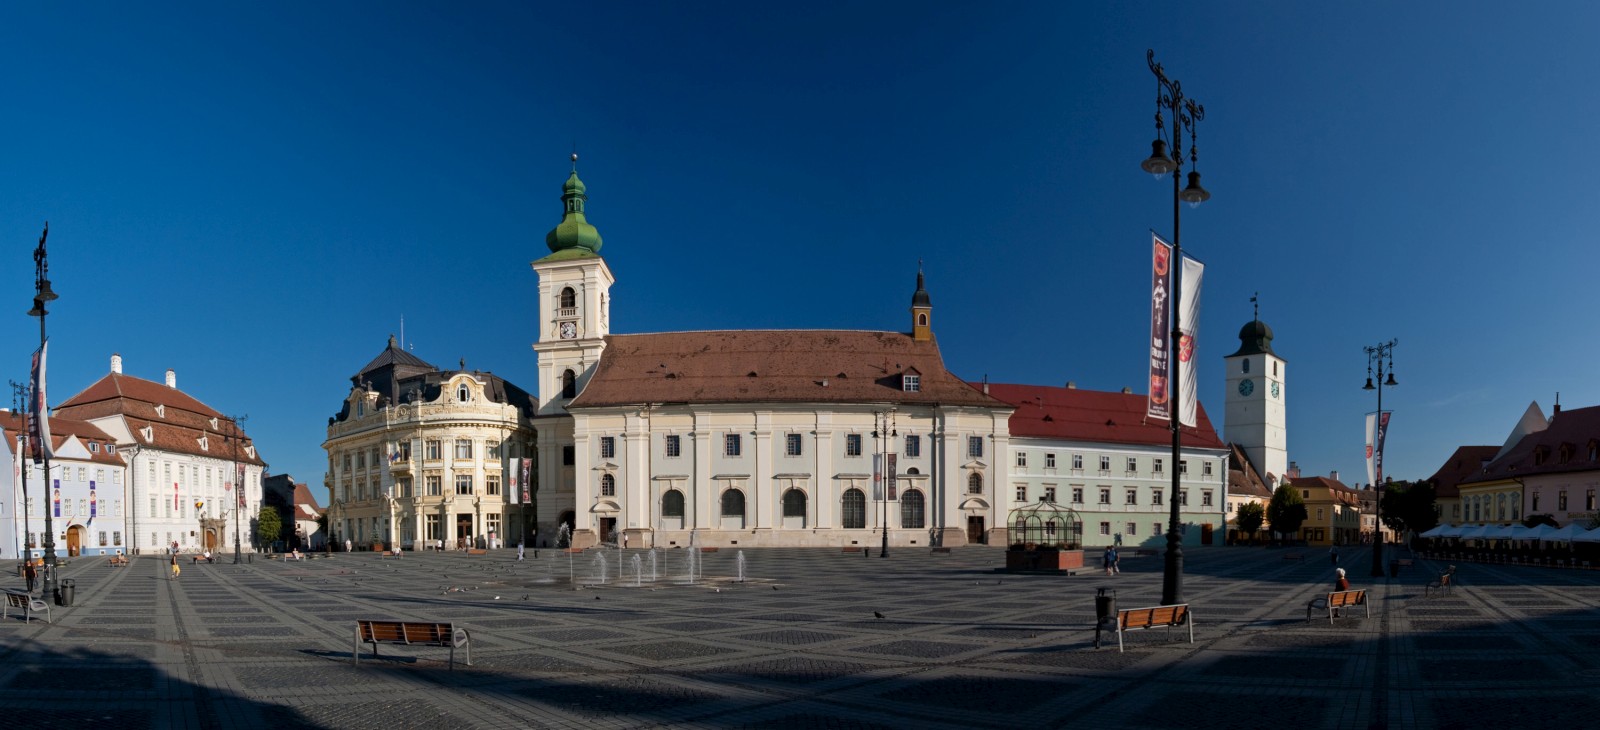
(1286, 511)
(1408, 506)
(1249, 518)
(268, 525)
(1536, 520)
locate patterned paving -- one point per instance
(268, 645)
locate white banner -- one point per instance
(1372, 420)
(1189, 306)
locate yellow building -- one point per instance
(1333, 511)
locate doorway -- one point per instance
(975, 532)
(463, 529)
(74, 540)
(1205, 533)
(211, 540)
(608, 528)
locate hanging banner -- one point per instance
(1189, 324)
(94, 505)
(877, 477)
(39, 418)
(1375, 458)
(892, 469)
(1368, 431)
(527, 464)
(57, 497)
(1160, 405)
(514, 483)
(175, 506)
(238, 478)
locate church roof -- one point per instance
(574, 236)
(1255, 338)
(1090, 415)
(791, 366)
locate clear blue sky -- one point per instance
(254, 194)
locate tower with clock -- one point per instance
(574, 302)
(1255, 415)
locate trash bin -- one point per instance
(66, 589)
(1394, 568)
(1105, 605)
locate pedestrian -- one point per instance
(347, 545)
(29, 572)
(520, 544)
(1333, 552)
(176, 570)
(1339, 584)
(624, 541)
(1108, 560)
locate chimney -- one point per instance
(172, 379)
(116, 363)
(985, 383)
(1127, 391)
(1071, 385)
(1334, 475)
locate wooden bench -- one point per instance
(1336, 600)
(851, 549)
(1134, 619)
(119, 561)
(28, 604)
(411, 633)
(477, 551)
(1293, 556)
(940, 551)
(1442, 583)
(1404, 562)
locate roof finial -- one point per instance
(574, 156)
(1256, 306)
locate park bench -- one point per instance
(119, 561)
(1336, 600)
(940, 551)
(851, 549)
(477, 551)
(1293, 556)
(28, 604)
(1135, 619)
(1443, 583)
(411, 633)
(386, 554)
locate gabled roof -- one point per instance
(789, 366)
(1574, 428)
(1336, 489)
(13, 424)
(1465, 462)
(118, 387)
(176, 421)
(1089, 415)
(305, 503)
(1243, 479)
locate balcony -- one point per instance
(566, 311)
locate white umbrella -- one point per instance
(1497, 532)
(1565, 534)
(1473, 533)
(1437, 531)
(1590, 536)
(1537, 532)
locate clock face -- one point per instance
(1274, 390)
(1247, 386)
(569, 330)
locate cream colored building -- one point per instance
(417, 453)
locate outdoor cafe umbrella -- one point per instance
(1439, 531)
(1497, 532)
(1537, 532)
(1590, 536)
(1565, 534)
(1474, 533)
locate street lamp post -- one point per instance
(885, 432)
(42, 294)
(238, 486)
(1185, 113)
(21, 392)
(1381, 356)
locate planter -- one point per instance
(1050, 560)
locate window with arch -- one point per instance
(733, 503)
(672, 504)
(1500, 512)
(569, 384)
(975, 483)
(922, 319)
(569, 298)
(912, 510)
(608, 485)
(855, 509)
(1245, 364)
(794, 503)
(463, 393)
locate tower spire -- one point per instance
(921, 309)
(574, 234)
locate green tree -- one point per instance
(1536, 520)
(269, 527)
(1408, 506)
(1286, 511)
(1249, 518)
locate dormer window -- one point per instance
(1541, 454)
(250, 451)
(213, 423)
(1566, 453)
(94, 448)
(111, 448)
(205, 443)
(463, 393)
(147, 432)
(161, 410)
(911, 383)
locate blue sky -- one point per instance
(254, 194)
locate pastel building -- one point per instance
(84, 492)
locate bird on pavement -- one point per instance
(878, 615)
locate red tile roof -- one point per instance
(1541, 452)
(1243, 479)
(177, 426)
(118, 386)
(788, 366)
(1089, 415)
(1465, 462)
(12, 424)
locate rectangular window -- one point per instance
(1077, 495)
(974, 447)
(1205, 498)
(491, 484)
(1183, 498)
(674, 446)
(913, 446)
(435, 482)
(402, 487)
(608, 447)
(569, 455)
(1183, 466)
(1105, 495)
(116, 538)
(433, 450)
(1156, 497)
(347, 461)
(404, 448)
(1561, 500)
(1157, 466)
(1133, 465)
(911, 383)
(1155, 528)
(102, 538)
(493, 447)
(1205, 468)
(731, 445)
(464, 484)
(1133, 529)
(493, 522)
(463, 448)
(1049, 461)
(1319, 514)
(1588, 501)
(1049, 495)
(1105, 528)
(1022, 458)
(432, 527)
(1022, 493)
(792, 445)
(1131, 496)
(1077, 461)
(852, 444)
(1105, 464)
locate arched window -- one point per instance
(1246, 365)
(855, 510)
(569, 298)
(911, 510)
(463, 393)
(922, 319)
(608, 485)
(975, 483)
(733, 503)
(672, 504)
(794, 503)
(569, 385)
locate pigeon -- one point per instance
(596, 598)
(774, 588)
(524, 596)
(496, 598)
(878, 615)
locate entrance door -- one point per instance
(1205, 533)
(74, 541)
(211, 540)
(975, 533)
(463, 529)
(608, 526)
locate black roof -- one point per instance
(1255, 338)
(401, 377)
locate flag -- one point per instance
(57, 497)
(93, 503)
(1377, 428)
(526, 465)
(891, 467)
(1188, 324)
(515, 486)
(238, 478)
(40, 416)
(1159, 405)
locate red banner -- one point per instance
(1160, 401)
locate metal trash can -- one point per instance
(66, 590)
(1105, 605)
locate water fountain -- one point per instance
(692, 557)
(564, 536)
(638, 571)
(600, 565)
(653, 565)
(738, 561)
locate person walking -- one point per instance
(1108, 560)
(347, 545)
(1333, 552)
(520, 545)
(176, 570)
(29, 572)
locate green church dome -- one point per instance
(574, 232)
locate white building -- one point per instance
(84, 495)
(1255, 400)
(184, 461)
(1096, 453)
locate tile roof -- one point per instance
(115, 386)
(305, 500)
(1465, 462)
(789, 366)
(398, 377)
(12, 424)
(1541, 452)
(178, 425)
(1336, 489)
(1243, 479)
(1089, 415)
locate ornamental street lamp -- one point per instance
(1381, 356)
(238, 486)
(42, 294)
(21, 392)
(884, 433)
(1185, 114)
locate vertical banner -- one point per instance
(56, 497)
(40, 417)
(1377, 453)
(1188, 324)
(877, 477)
(892, 469)
(175, 506)
(94, 504)
(514, 484)
(1160, 405)
(238, 478)
(1371, 428)
(527, 464)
